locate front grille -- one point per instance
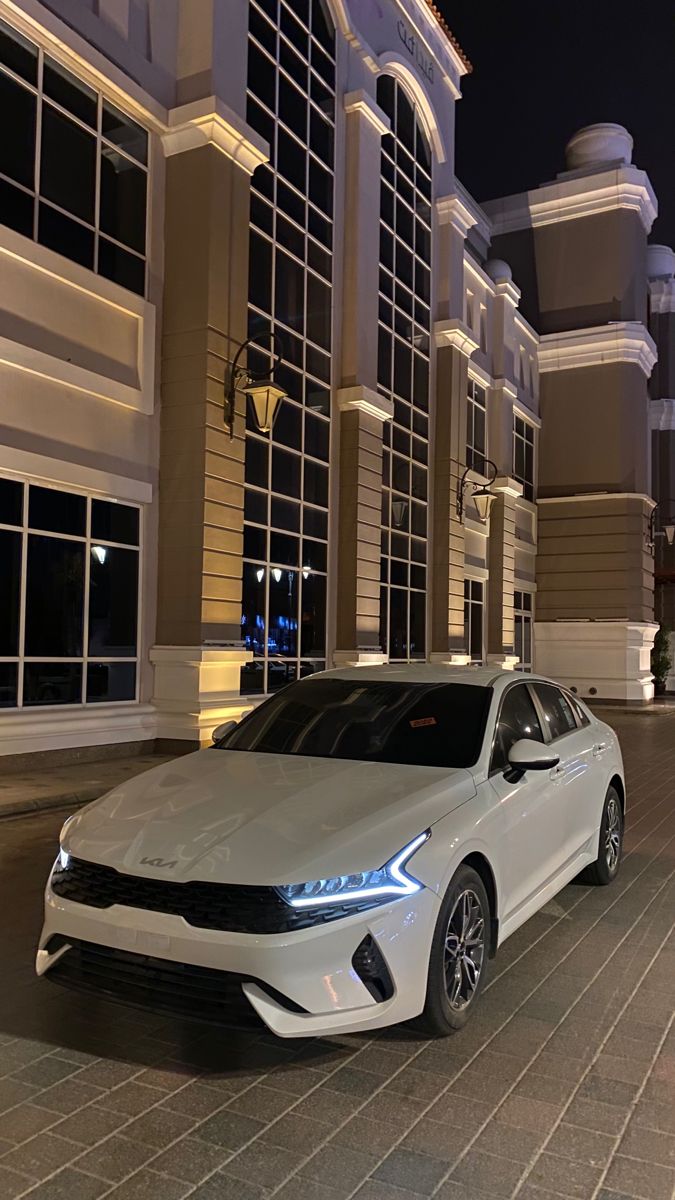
(139, 980)
(230, 908)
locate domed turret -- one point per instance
(599, 144)
(498, 270)
(660, 262)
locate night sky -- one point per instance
(543, 69)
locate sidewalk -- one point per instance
(68, 786)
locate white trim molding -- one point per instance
(210, 122)
(508, 486)
(70, 474)
(361, 103)
(568, 198)
(507, 290)
(527, 415)
(457, 333)
(452, 210)
(587, 497)
(365, 400)
(27, 730)
(617, 342)
(507, 387)
(662, 414)
(480, 375)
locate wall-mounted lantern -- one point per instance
(265, 395)
(481, 493)
(667, 530)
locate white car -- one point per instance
(347, 857)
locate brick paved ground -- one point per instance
(562, 1085)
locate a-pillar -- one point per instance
(362, 410)
(211, 155)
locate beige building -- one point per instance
(183, 175)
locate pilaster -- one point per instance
(502, 565)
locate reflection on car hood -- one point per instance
(255, 818)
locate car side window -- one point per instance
(558, 712)
(582, 716)
(517, 719)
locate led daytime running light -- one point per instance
(394, 882)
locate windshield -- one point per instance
(432, 725)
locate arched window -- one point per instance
(403, 371)
(291, 102)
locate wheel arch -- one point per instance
(480, 864)
(617, 783)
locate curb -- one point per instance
(17, 808)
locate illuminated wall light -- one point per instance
(100, 553)
(260, 574)
(277, 574)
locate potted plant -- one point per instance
(662, 659)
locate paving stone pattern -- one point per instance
(563, 1084)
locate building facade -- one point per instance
(182, 176)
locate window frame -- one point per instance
(529, 485)
(524, 616)
(475, 457)
(468, 600)
(518, 682)
(102, 143)
(532, 684)
(25, 530)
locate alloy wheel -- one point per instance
(464, 949)
(612, 835)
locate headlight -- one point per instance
(63, 859)
(387, 881)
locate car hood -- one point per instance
(238, 817)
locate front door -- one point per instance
(574, 777)
(532, 826)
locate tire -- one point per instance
(452, 993)
(606, 866)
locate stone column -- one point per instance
(362, 410)
(211, 155)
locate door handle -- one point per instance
(599, 748)
(558, 772)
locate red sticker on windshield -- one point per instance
(423, 721)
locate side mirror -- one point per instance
(220, 731)
(528, 755)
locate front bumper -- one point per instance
(311, 967)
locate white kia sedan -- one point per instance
(349, 856)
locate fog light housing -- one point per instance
(368, 962)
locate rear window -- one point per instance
(432, 725)
(558, 711)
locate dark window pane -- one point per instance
(52, 683)
(320, 228)
(54, 598)
(321, 187)
(517, 719)
(294, 31)
(292, 108)
(11, 502)
(66, 237)
(292, 160)
(253, 610)
(317, 437)
(314, 555)
(318, 311)
(286, 473)
(284, 549)
(124, 132)
(417, 624)
(252, 678)
(121, 266)
(290, 237)
(10, 586)
(292, 204)
(255, 543)
(69, 92)
(285, 515)
(110, 682)
(68, 164)
(261, 214)
(255, 506)
(261, 29)
(315, 523)
(321, 136)
(288, 426)
(398, 623)
(322, 97)
(260, 273)
(123, 197)
(283, 629)
(257, 462)
(17, 144)
(261, 76)
(313, 616)
(316, 483)
(17, 53)
(318, 364)
(8, 682)
(113, 602)
(59, 512)
(16, 209)
(289, 304)
(319, 259)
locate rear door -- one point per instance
(532, 825)
(575, 778)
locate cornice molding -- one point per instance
(452, 210)
(618, 342)
(589, 497)
(507, 290)
(209, 122)
(662, 414)
(508, 486)
(364, 399)
(456, 333)
(362, 103)
(566, 199)
(480, 375)
(507, 387)
(521, 410)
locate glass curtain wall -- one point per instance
(403, 371)
(291, 103)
